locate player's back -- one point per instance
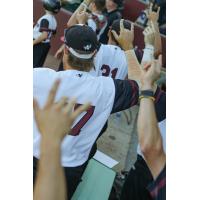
(100, 91)
(111, 61)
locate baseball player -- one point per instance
(106, 95)
(43, 31)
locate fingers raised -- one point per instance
(121, 25)
(52, 93)
(69, 107)
(132, 26)
(60, 104)
(80, 109)
(115, 35)
(158, 11)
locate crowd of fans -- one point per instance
(103, 70)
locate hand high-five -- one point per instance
(126, 36)
(54, 120)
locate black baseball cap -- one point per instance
(116, 25)
(81, 41)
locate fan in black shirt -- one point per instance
(112, 13)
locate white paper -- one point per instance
(105, 159)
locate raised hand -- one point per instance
(150, 73)
(126, 36)
(149, 34)
(152, 15)
(54, 120)
(82, 16)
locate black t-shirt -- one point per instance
(157, 188)
(111, 16)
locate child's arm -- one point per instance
(41, 38)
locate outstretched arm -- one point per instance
(125, 40)
(153, 17)
(148, 132)
(73, 19)
(54, 121)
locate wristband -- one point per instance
(148, 53)
(147, 97)
(147, 94)
(149, 46)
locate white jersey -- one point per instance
(110, 61)
(45, 23)
(100, 91)
(162, 127)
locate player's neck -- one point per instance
(67, 67)
(111, 42)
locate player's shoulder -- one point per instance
(105, 82)
(112, 49)
(48, 17)
(109, 46)
(43, 72)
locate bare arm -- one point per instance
(54, 121)
(148, 132)
(41, 38)
(125, 40)
(134, 71)
(59, 52)
(153, 17)
(73, 19)
(158, 41)
(50, 183)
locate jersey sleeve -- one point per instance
(126, 95)
(44, 25)
(160, 104)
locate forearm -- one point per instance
(40, 38)
(72, 20)
(134, 71)
(149, 136)
(158, 41)
(50, 182)
(147, 124)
